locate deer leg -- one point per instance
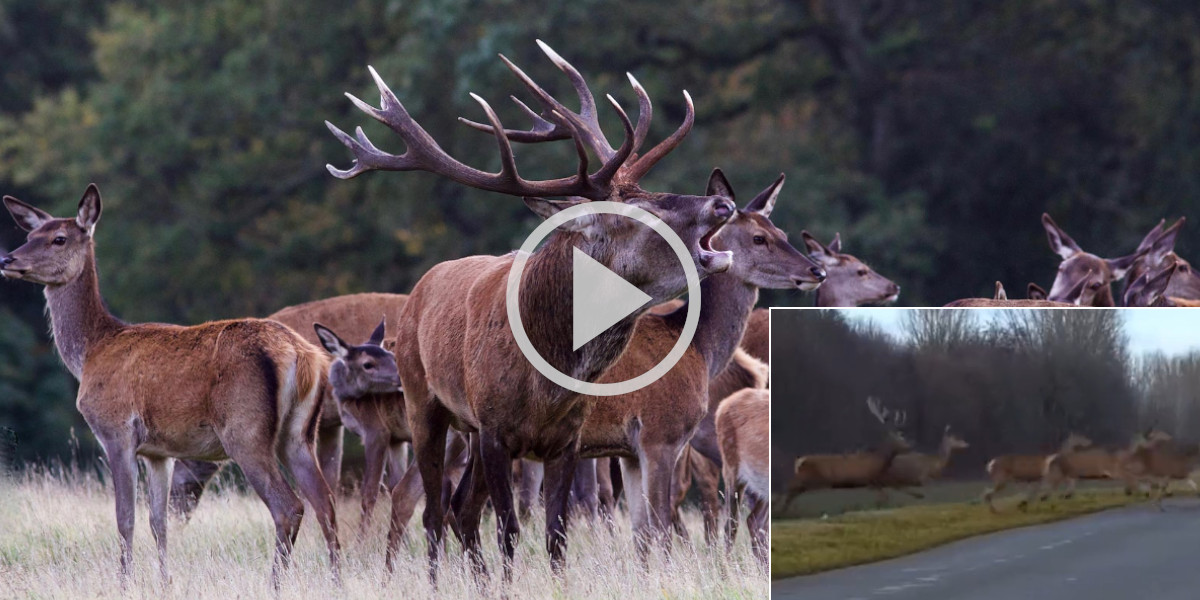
(559, 473)
(250, 448)
(733, 497)
(635, 500)
(707, 478)
(658, 470)
(122, 463)
(532, 474)
(1070, 493)
(604, 487)
(991, 492)
(188, 483)
(758, 524)
(158, 485)
(584, 494)
(397, 464)
(497, 471)
(302, 462)
(683, 481)
(430, 423)
(405, 495)
(467, 507)
(375, 445)
(330, 445)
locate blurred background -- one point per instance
(1006, 381)
(931, 134)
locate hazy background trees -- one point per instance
(931, 134)
(1017, 383)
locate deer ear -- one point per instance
(718, 185)
(1151, 237)
(377, 335)
(1034, 291)
(1060, 242)
(1164, 244)
(836, 245)
(89, 209)
(27, 217)
(1120, 266)
(816, 251)
(764, 202)
(1000, 293)
(331, 341)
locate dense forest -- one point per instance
(1020, 382)
(930, 133)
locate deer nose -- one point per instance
(723, 209)
(818, 272)
(6, 260)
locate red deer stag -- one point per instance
(915, 469)
(860, 469)
(458, 358)
(247, 389)
(649, 429)
(851, 282)
(744, 431)
(1083, 274)
(1025, 468)
(355, 315)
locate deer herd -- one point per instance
(438, 369)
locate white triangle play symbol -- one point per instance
(601, 298)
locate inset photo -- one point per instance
(984, 453)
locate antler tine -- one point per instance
(541, 131)
(423, 153)
(649, 159)
(645, 112)
(900, 418)
(615, 162)
(587, 103)
(583, 123)
(878, 411)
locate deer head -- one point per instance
(951, 442)
(851, 282)
(359, 370)
(1034, 291)
(1082, 273)
(621, 244)
(1076, 441)
(1150, 288)
(893, 421)
(765, 258)
(56, 251)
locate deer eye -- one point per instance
(863, 272)
(759, 240)
(369, 366)
(1095, 286)
(59, 241)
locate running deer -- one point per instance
(1090, 464)
(1083, 273)
(915, 469)
(458, 358)
(1162, 460)
(246, 389)
(860, 469)
(744, 431)
(355, 315)
(851, 282)
(649, 428)
(1025, 468)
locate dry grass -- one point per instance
(58, 540)
(805, 546)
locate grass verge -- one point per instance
(806, 546)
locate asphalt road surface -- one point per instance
(1130, 553)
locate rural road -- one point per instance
(1134, 552)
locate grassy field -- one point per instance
(829, 530)
(58, 540)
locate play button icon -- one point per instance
(600, 297)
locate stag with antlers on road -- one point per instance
(247, 390)
(457, 355)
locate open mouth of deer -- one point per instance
(12, 273)
(713, 261)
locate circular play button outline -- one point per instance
(540, 233)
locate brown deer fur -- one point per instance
(1025, 468)
(859, 469)
(650, 428)
(757, 339)
(1161, 460)
(458, 359)
(247, 389)
(744, 431)
(354, 315)
(851, 282)
(1083, 278)
(915, 469)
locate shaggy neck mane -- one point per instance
(78, 317)
(546, 306)
(725, 306)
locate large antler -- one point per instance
(556, 122)
(885, 415)
(424, 154)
